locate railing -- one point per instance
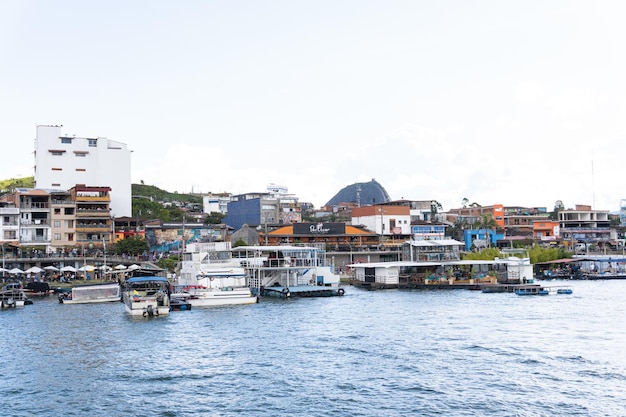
(36, 222)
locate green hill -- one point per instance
(13, 183)
(157, 194)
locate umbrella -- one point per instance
(34, 270)
(104, 268)
(88, 268)
(120, 267)
(134, 266)
(50, 268)
(16, 271)
(68, 269)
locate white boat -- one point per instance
(210, 277)
(147, 296)
(12, 296)
(92, 293)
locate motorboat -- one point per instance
(147, 296)
(92, 293)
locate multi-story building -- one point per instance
(93, 215)
(63, 219)
(519, 221)
(9, 222)
(384, 220)
(62, 161)
(275, 207)
(34, 206)
(215, 203)
(585, 225)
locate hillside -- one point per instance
(10, 184)
(157, 194)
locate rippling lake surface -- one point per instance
(368, 353)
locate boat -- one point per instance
(532, 290)
(288, 271)
(209, 276)
(92, 293)
(12, 296)
(147, 296)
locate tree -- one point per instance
(464, 202)
(558, 207)
(214, 218)
(435, 207)
(131, 245)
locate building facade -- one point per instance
(62, 161)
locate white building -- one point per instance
(215, 203)
(63, 161)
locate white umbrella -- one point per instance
(88, 268)
(120, 267)
(68, 269)
(134, 266)
(34, 270)
(104, 268)
(50, 268)
(16, 271)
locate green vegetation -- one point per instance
(131, 246)
(169, 263)
(13, 183)
(156, 194)
(148, 203)
(536, 254)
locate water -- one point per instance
(379, 353)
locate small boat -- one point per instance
(13, 296)
(147, 296)
(564, 291)
(179, 304)
(92, 293)
(532, 291)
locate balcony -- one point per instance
(35, 222)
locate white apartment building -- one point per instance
(62, 161)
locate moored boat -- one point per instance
(92, 293)
(147, 296)
(13, 296)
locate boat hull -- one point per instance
(218, 297)
(146, 308)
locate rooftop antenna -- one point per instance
(593, 186)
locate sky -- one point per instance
(520, 103)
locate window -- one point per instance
(56, 153)
(57, 236)
(66, 140)
(80, 154)
(81, 169)
(93, 143)
(56, 184)
(57, 169)
(57, 223)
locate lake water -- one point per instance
(368, 353)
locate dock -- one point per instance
(302, 291)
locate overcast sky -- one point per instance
(511, 102)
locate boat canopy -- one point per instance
(146, 279)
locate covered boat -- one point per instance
(92, 293)
(147, 296)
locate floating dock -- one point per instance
(302, 291)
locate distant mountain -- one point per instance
(363, 193)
